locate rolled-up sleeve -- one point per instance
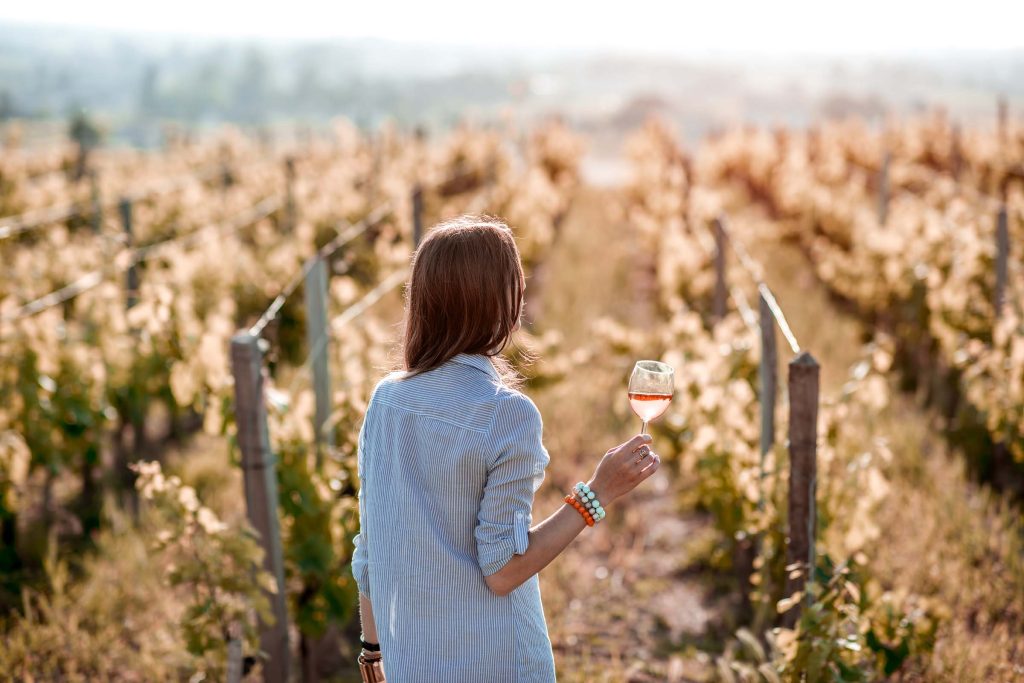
(513, 477)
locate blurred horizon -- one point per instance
(135, 69)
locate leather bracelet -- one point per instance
(370, 647)
(371, 667)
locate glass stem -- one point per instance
(643, 430)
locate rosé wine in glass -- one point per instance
(650, 390)
(649, 406)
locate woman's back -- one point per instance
(449, 461)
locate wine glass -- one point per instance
(650, 389)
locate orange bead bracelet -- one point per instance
(571, 500)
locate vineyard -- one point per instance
(188, 339)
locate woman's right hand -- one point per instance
(619, 471)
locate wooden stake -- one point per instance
(97, 205)
(1002, 257)
(417, 215)
(768, 380)
(260, 477)
(235, 661)
(289, 193)
(317, 343)
(803, 473)
(132, 280)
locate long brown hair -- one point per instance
(465, 295)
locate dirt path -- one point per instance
(622, 602)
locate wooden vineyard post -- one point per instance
(132, 280)
(289, 194)
(1001, 455)
(227, 178)
(803, 473)
(134, 412)
(883, 189)
(260, 478)
(235, 660)
(97, 206)
(1002, 257)
(768, 381)
(316, 340)
(719, 301)
(417, 215)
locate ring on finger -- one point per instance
(651, 455)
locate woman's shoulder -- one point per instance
(391, 377)
(514, 408)
(515, 399)
(517, 428)
(387, 380)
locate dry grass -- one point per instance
(948, 538)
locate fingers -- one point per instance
(649, 465)
(626, 466)
(640, 469)
(640, 458)
(638, 441)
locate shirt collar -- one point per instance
(478, 361)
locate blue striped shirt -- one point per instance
(449, 462)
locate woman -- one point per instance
(450, 456)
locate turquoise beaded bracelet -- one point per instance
(589, 500)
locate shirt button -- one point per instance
(519, 515)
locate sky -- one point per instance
(773, 26)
